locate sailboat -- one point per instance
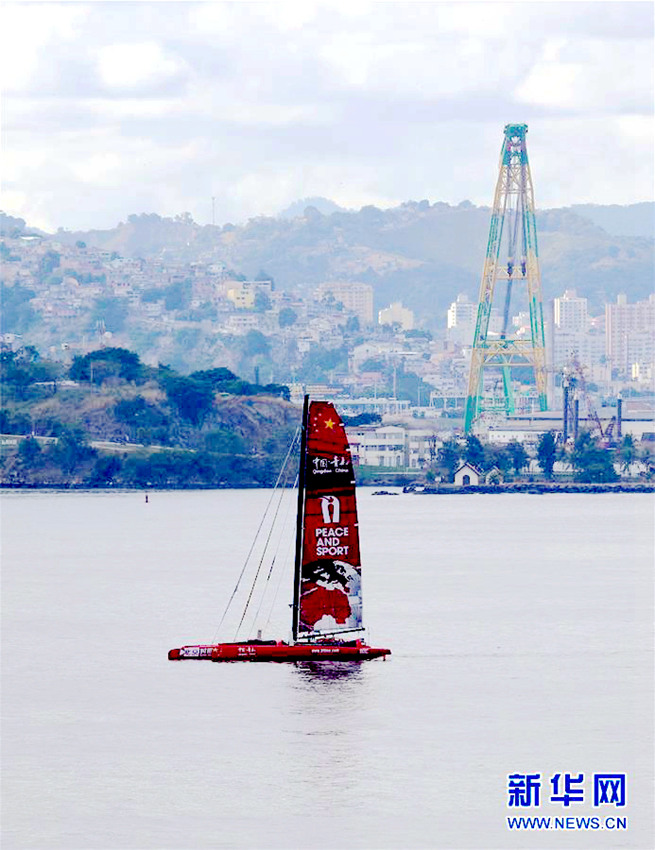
(327, 585)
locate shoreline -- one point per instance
(539, 488)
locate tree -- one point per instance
(546, 453)
(412, 387)
(97, 366)
(48, 263)
(262, 302)
(112, 311)
(177, 296)
(17, 314)
(626, 452)
(592, 464)
(220, 378)
(253, 343)
(105, 470)
(474, 451)
(192, 398)
(352, 325)
(29, 451)
(518, 455)
(263, 275)
(137, 413)
(372, 364)
(287, 317)
(224, 441)
(497, 456)
(71, 449)
(448, 458)
(21, 369)
(318, 362)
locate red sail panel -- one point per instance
(330, 580)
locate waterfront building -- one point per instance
(393, 446)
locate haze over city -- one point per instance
(119, 108)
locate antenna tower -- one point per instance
(512, 257)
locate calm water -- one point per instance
(521, 628)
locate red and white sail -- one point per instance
(330, 575)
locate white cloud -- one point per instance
(26, 31)
(99, 169)
(114, 108)
(591, 160)
(128, 66)
(591, 75)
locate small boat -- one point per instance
(327, 585)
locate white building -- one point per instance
(629, 333)
(586, 348)
(396, 314)
(393, 446)
(570, 312)
(384, 446)
(461, 318)
(467, 475)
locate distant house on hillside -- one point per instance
(467, 475)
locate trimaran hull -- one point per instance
(355, 651)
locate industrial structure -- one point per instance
(512, 258)
(575, 389)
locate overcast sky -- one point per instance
(117, 108)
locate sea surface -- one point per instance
(521, 628)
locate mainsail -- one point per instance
(329, 592)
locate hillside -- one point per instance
(110, 421)
(420, 253)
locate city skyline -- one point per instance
(120, 108)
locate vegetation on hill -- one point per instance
(109, 420)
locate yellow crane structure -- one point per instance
(512, 258)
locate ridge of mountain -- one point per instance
(630, 220)
(324, 205)
(419, 253)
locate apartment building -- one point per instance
(629, 333)
(356, 298)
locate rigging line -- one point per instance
(273, 525)
(290, 503)
(252, 545)
(259, 566)
(287, 559)
(268, 538)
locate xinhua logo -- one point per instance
(526, 790)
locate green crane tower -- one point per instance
(512, 257)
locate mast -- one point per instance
(299, 519)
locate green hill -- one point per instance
(109, 421)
